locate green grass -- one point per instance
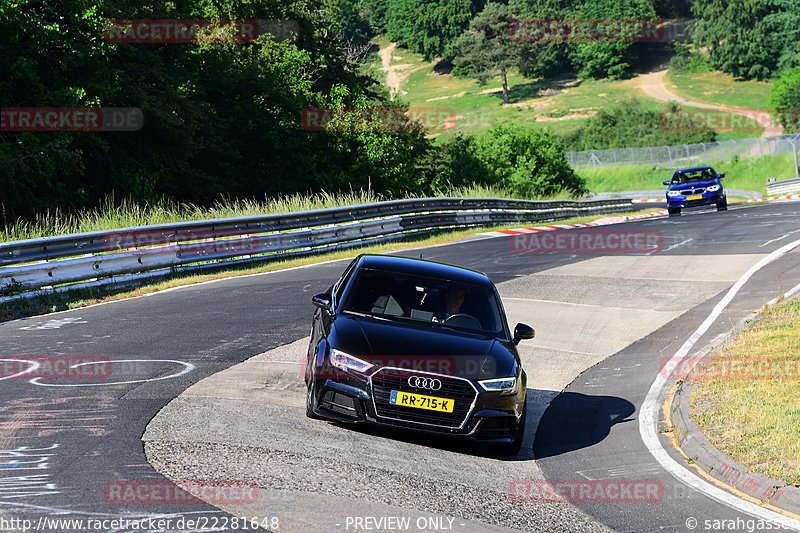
(750, 413)
(719, 88)
(745, 174)
(111, 215)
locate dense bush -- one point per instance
(632, 124)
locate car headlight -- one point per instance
(346, 362)
(499, 384)
(673, 193)
(713, 188)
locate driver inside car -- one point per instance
(453, 300)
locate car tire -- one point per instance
(723, 205)
(311, 392)
(674, 211)
(513, 447)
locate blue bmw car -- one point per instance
(693, 187)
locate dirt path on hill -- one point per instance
(654, 86)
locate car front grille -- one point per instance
(689, 192)
(460, 390)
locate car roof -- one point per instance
(423, 267)
(694, 168)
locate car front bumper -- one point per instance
(707, 199)
(490, 417)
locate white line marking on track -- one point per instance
(573, 303)
(687, 241)
(779, 238)
(188, 367)
(648, 416)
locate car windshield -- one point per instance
(438, 302)
(688, 176)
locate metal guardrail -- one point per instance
(783, 187)
(126, 256)
(660, 193)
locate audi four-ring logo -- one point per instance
(424, 383)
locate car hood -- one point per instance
(421, 347)
(694, 185)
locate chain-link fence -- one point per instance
(684, 155)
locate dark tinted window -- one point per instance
(438, 302)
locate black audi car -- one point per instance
(419, 345)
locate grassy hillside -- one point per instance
(447, 104)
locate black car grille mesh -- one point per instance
(458, 390)
(689, 192)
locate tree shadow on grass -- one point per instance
(535, 89)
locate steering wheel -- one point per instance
(463, 320)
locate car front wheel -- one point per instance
(311, 394)
(723, 205)
(674, 211)
(513, 447)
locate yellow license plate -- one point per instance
(695, 197)
(431, 403)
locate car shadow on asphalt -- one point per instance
(574, 421)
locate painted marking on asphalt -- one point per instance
(34, 366)
(648, 419)
(779, 238)
(574, 303)
(626, 471)
(54, 324)
(188, 367)
(687, 241)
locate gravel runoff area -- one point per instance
(248, 423)
(280, 472)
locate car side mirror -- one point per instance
(323, 300)
(720, 176)
(522, 332)
(666, 183)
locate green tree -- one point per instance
(528, 161)
(429, 27)
(784, 100)
(602, 59)
(487, 48)
(751, 39)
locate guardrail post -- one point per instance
(669, 152)
(721, 155)
(705, 153)
(633, 157)
(794, 153)
(652, 161)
